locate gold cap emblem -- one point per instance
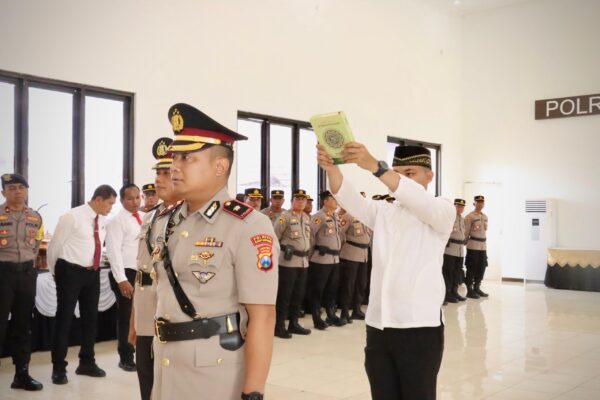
(177, 121)
(162, 148)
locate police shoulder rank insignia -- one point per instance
(212, 209)
(237, 209)
(264, 245)
(203, 277)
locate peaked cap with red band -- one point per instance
(193, 130)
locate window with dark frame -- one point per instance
(280, 153)
(65, 138)
(436, 158)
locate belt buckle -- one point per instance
(157, 324)
(138, 278)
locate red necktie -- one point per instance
(137, 217)
(97, 247)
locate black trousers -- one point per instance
(348, 272)
(323, 282)
(17, 298)
(476, 262)
(74, 283)
(124, 305)
(360, 287)
(403, 364)
(144, 359)
(290, 293)
(452, 272)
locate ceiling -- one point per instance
(462, 7)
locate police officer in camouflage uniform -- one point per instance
(21, 233)
(293, 231)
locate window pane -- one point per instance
(432, 188)
(281, 160)
(309, 171)
(50, 153)
(103, 145)
(248, 155)
(7, 127)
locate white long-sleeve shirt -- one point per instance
(122, 236)
(73, 238)
(409, 237)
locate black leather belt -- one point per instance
(143, 278)
(326, 250)
(203, 328)
(477, 239)
(17, 267)
(359, 245)
(456, 241)
(299, 253)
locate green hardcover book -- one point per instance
(333, 131)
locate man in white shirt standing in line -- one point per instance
(122, 235)
(405, 333)
(74, 260)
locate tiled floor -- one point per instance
(521, 343)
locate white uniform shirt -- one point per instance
(122, 238)
(409, 237)
(73, 238)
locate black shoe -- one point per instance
(333, 319)
(450, 298)
(59, 376)
(92, 370)
(358, 314)
(458, 296)
(24, 381)
(472, 294)
(345, 316)
(319, 323)
(128, 366)
(298, 329)
(280, 332)
(480, 292)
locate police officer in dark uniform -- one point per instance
(21, 232)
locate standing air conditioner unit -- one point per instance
(541, 222)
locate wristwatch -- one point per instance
(252, 396)
(382, 168)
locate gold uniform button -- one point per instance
(219, 361)
(165, 362)
(144, 266)
(184, 234)
(142, 288)
(167, 317)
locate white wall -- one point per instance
(513, 56)
(393, 66)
